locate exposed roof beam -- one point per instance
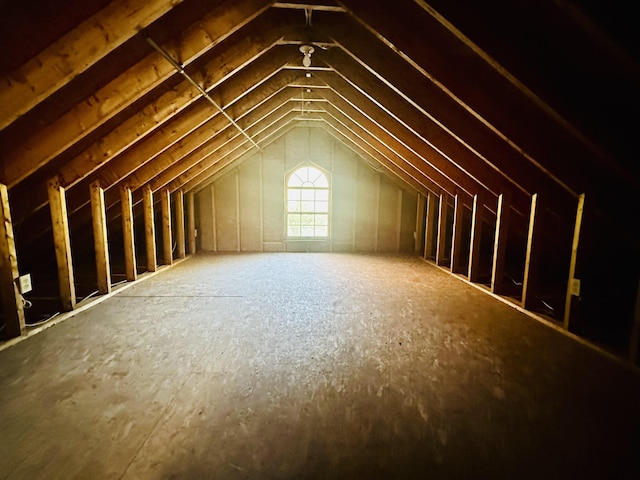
(386, 158)
(132, 85)
(490, 97)
(430, 114)
(75, 52)
(121, 144)
(179, 68)
(276, 107)
(415, 164)
(261, 132)
(187, 152)
(120, 173)
(309, 6)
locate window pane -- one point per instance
(321, 182)
(294, 206)
(322, 207)
(293, 231)
(308, 203)
(322, 231)
(322, 220)
(294, 194)
(295, 181)
(294, 219)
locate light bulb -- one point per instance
(306, 50)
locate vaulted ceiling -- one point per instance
(461, 97)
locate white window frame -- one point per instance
(324, 198)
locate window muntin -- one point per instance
(308, 204)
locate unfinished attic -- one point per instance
(412, 226)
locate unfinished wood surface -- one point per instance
(131, 271)
(100, 241)
(127, 138)
(476, 237)
(574, 259)
(62, 244)
(401, 89)
(236, 178)
(149, 229)
(214, 219)
(420, 231)
(431, 226)
(74, 53)
(167, 237)
(634, 342)
(311, 366)
(500, 242)
(191, 223)
(131, 86)
(181, 247)
(402, 161)
(12, 307)
(389, 216)
(456, 236)
(534, 247)
(442, 230)
(250, 196)
(492, 99)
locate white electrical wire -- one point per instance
(37, 324)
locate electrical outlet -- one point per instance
(25, 283)
(575, 287)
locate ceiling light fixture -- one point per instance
(306, 50)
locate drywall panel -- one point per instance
(273, 196)
(389, 216)
(408, 228)
(250, 183)
(368, 212)
(226, 214)
(206, 223)
(343, 197)
(367, 196)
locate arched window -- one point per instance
(307, 204)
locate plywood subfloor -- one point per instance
(311, 366)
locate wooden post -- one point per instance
(214, 222)
(191, 222)
(442, 229)
(180, 237)
(62, 243)
(149, 228)
(167, 241)
(574, 259)
(377, 232)
(127, 232)
(534, 246)
(430, 225)
(100, 241)
(476, 237)
(238, 201)
(419, 234)
(634, 344)
(12, 306)
(398, 239)
(456, 236)
(500, 243)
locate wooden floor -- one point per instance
(296, 366)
